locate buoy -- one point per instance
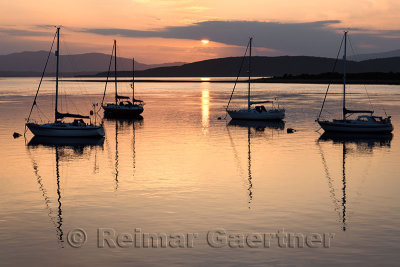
(16, 135)
(290, 130)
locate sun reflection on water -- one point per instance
(205, 106)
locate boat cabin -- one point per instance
(260, 108)
(129, 103)
(369, 118)
(78, 122)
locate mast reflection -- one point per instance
(123, 126)
(258, 128)
(78, 145)
(365, 143)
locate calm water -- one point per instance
(181, 170)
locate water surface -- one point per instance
(182, 170)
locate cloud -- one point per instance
(21, 32)
(319, 38)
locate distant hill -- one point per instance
(336, 78)
(267, 66)
(394, 53)
(32, 63)
(96, 64)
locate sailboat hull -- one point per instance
(65, 130)
(252, 114)
(351, 126)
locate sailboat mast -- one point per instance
(344, 75)
(115, 70)
(248, 94)
(57, 53)
(133, 79)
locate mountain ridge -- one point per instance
(387, 54)
(267, 66)
(25, 64)
(34, 61)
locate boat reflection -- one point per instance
(365, 143)
(76, 143)
(254, 129)
(259, 126)
(60, 145)
(123, 126)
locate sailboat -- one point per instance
(59, 128)
(254, 110)
(122, 107)
(366, 123)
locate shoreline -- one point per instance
(262, 80)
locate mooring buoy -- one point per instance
(16, 135)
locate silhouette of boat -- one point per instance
(59, 128)
(363, 123)
(254, 112)
(123, 106)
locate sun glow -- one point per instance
(205, 41)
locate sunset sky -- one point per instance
(157, 31)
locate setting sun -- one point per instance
(205, 41)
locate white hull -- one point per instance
(352, 126)
(252, 114)
(65, 130)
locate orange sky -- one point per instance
(149, 15)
